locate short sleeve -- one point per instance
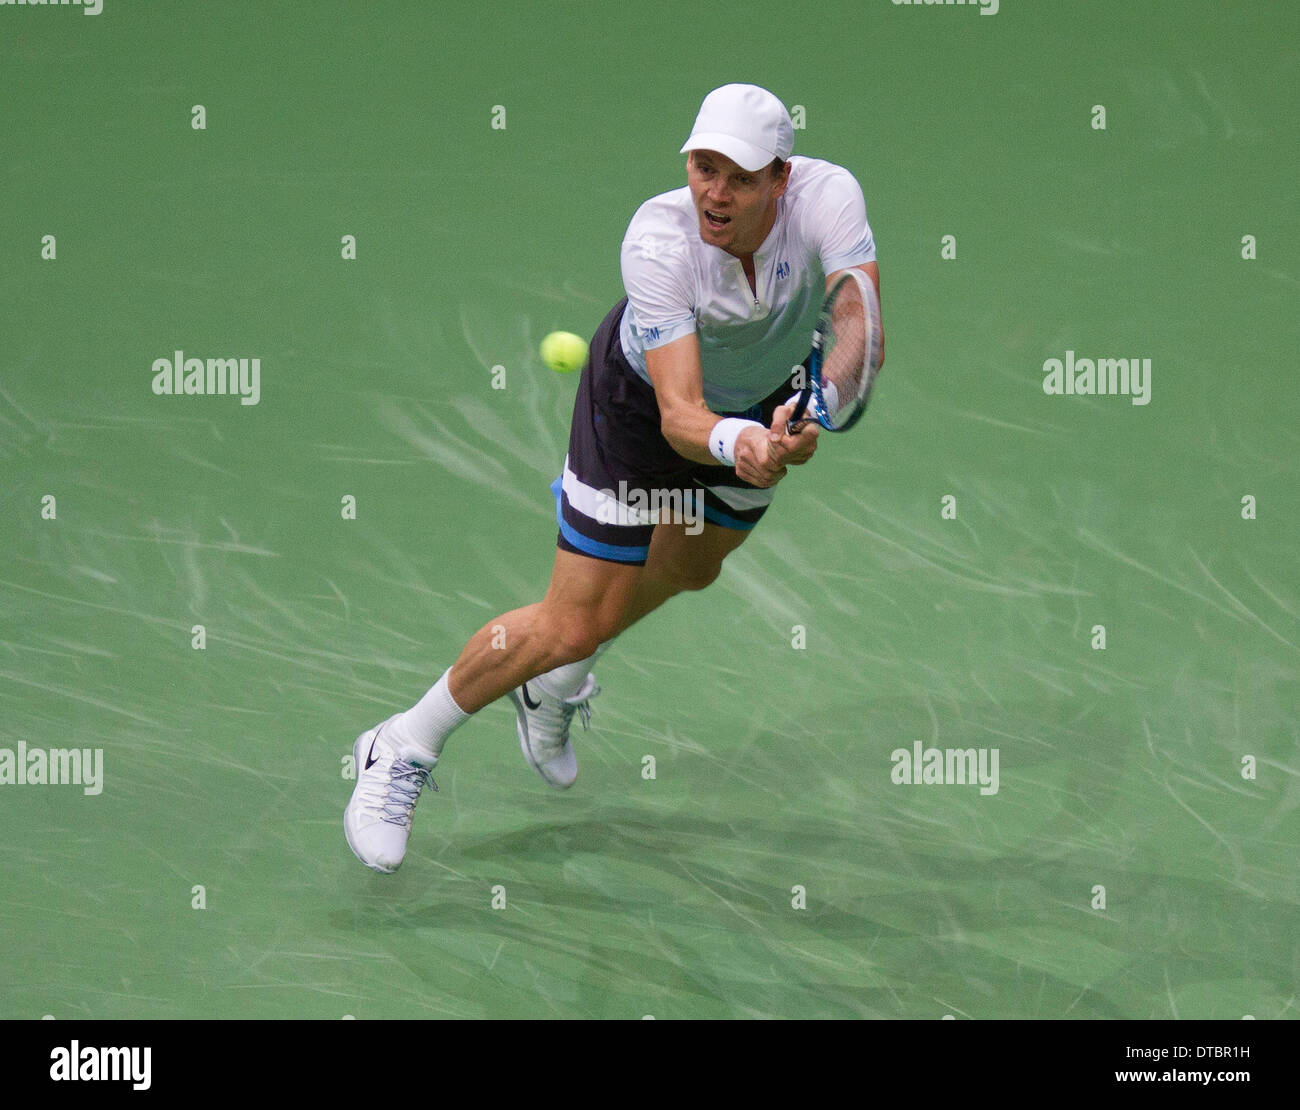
(657, 280)
(835, 222)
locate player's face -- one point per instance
(736, 207)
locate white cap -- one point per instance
(747, 124)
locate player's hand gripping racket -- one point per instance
(845, 356)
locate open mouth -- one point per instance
(714, 220)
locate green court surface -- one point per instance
(857, 620)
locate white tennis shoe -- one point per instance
(543, 728)
(377, 821)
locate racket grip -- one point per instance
(797, 419)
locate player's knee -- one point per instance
(576, 636)
(692, 576)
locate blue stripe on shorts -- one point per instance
(617, 552)
(714, 517)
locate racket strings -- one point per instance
(846, 354)
(845, 348)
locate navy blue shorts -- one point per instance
(621, 477)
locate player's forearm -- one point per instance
(687, 429)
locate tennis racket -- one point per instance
(845, 357)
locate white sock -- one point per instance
(567, 680)
(419, 734)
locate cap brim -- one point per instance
(747, 157)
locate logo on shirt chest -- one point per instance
(782, 270)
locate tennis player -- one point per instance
(683, 402)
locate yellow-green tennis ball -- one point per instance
(564, 352)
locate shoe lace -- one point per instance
(405, 782)
(579, 704)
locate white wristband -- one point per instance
(722, 440)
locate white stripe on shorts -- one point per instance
(602, 505)
(605, 507)
(739, 497)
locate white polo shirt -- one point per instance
(677, 284)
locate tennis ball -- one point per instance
(564, 352)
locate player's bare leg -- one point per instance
(588, 603)
(583, 608)
(679, 561)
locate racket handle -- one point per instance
(797, 419)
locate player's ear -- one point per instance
(781, 177)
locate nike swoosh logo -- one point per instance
(370, 755)
(529, 701)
